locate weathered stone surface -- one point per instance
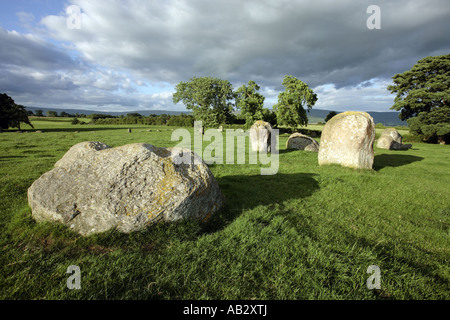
(80, 151)
(391, 139)
(94, 188)
(347, 139)
(260, 136)
(300, 141)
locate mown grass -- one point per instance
(308, 232)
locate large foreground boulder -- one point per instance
(298, 141)
(391, 139)
(260, 136)
(347, 139)
(94, 188)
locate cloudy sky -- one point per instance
(126, 55)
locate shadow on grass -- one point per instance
(282, 151)
(393, 160)
(6, 158)
(243, 192)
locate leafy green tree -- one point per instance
(270, 116)
(432, 126)
(39, 113)
(330, 115)
(52, 114)
(19, 115)
(423, 97)
(208, 98)
(250, 102)
(164, 118)
(75, 121)
(291, 105)
(12, 114)
(95, 116)
(134, 114)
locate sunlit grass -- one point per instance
(308, 232)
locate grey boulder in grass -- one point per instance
(347, 139)
(391, 139)
(298, 141)
(94, 188)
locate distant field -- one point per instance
(308, 232)
(49, 122)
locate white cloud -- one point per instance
(369, 96)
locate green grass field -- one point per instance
(308, 232)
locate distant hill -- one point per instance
(314, 115)
(112, 113)
(389, 118)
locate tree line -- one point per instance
(181, 120)
(55, 114)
